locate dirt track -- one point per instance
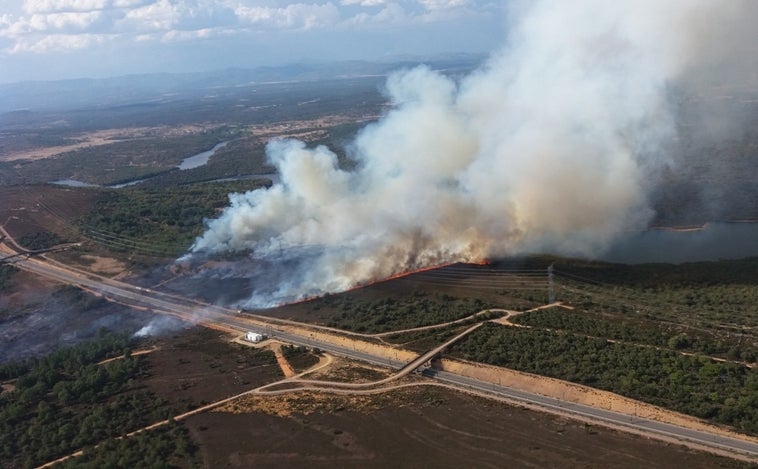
(416, 427)
(412, 423)
(533, 383)
(286, 368)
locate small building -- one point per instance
(254, 337)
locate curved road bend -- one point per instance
(138, 297)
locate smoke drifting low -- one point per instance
(553, 145)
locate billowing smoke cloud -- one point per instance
(552, 145)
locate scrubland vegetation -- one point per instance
(641, 331)
(158, 222)
(648, 332)
(40, 240)
(716, 295)
(164, 447)
(719, 391)
(6, 275)
(389, 314)
(66, 401)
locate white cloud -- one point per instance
(364, 3)
(179, 35)
(391, 14)
(35, 23)
(48, 6)
(443, 4)
(71, 19)
(57, 43)
(161, 15)
(129, 3)
(23, 22)
(294, 16)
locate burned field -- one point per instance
(437, 426)
(88, 395)
(420, 427)
(200, 366)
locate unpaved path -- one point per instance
(317, 385)
(509, 314)
(133, 354)
(287, 369)
(436, 326)
(547, 386)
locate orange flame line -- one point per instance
(387, 279)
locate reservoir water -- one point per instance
(195, 161)
(712, 241)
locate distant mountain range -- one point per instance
(88, 92)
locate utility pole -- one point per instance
(550, 285)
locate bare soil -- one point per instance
(348, 371)
(22, 149)
(202, 366)
(104, 265)
(97, 138)
(310, 129)
(31, 209)
(6, 388)
(284, 365)
(420, 427)
(25, 289)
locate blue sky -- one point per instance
(52, 39)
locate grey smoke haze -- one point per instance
(160, 325)
(552, 146)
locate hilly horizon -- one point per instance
(63, 94)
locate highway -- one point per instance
(615, 419)
(213, 316)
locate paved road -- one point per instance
(621, 420)
(192, 311)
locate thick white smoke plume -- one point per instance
(550, 146)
